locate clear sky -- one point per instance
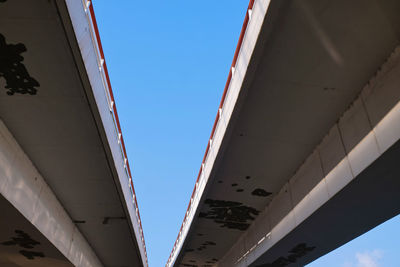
(377, 248)
(168, 63)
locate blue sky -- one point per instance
(378, 247)
(168, 63)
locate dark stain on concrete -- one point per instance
(189, 250)
(248, 177)
(233, 185)
(30, 255)
(229, 214)
(212, 261)
(14, 71)
(295, 253)
(239, 190)
(107, 220)
(220, 182)
(2, 1)
(260, 192)
(23, 240)
(205, 245)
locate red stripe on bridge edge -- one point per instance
(115, 112)
(238, 47)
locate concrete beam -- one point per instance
(88, 48)
(364, 132)
(253, 29)
(25, 188)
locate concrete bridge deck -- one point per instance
(65, 180)
(302, 156)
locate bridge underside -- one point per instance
(48, 86)
(367, 201)
(310, 63)
(22, 245)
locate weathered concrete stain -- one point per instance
(212, 261)
(14, 71)
(205, 245)
(295, 253)
(193, 262)
(30, 255)
(229, 214)
(23, 240)
(107, 220)
(260, 192)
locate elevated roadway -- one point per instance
(67, 197)
(302, 156)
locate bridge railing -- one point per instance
(95, 36)
(196, 194)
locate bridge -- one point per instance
(67, 197)
(303, 154)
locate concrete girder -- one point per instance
(362, 135)
(24, 187)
